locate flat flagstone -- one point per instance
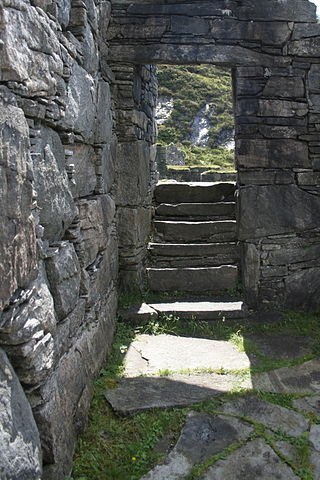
(133, 395)
(271, 415)
(202, 436)
(205, 310)
(308, 404)
(169, 352)
(255, 460)
(303, 378)
(314, 439)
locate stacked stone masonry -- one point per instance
(77, 170)
(272, 48)
(73, 132)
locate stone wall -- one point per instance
(75, 187)
(273, 49)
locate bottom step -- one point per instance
(205, 310)
(212, 279)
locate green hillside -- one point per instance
(193, 87)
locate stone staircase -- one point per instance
(194, 247)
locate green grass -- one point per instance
(114, 448)
(192, 87)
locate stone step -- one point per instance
(201, 279)
(221, 210)
(193, 254)
(203, 310)
(194, 192)
(193, 232)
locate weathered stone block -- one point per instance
(181, 25)
(173, 53)
(54, 197)
(281, 108)
(287, 10)
(31, 314)
(284, 87)
(132, 174)
(276, 209)
(96, 217)
(20, 453)
(62, 402)
(35, 59)
(314, 78)
(307, 47)
(270, 33)
(266, 177)
(33, 361)
(68, 330)
(305, 30)
(83, 180)
(80, 107)
(103, 273)
(308, 178)
(272, 153)
(134, 226)
(18, 257)
(104, 122)
(302, 289)
(63, 272)
(250, 272)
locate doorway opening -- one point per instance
(195, 120)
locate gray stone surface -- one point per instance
(65, 392)
(194, 192)
(271, 415)
(173, 353)
(308, 404)
(201, 310)
(315, 444)
(17, 225)
(54, 197)
(83, 180)
(251, 461)
(276, 209)
(96, 218)
(80, 109)
(212, 279)
(193, 254)
(196, 209)
(183, 231)
(63, 272)
(202, 436)
(302, 289)
(20, 453)
(134, 395)
(35, 60)
(31, 314)
(303, 378)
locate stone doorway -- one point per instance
(274, 58)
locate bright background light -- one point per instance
(317, 3)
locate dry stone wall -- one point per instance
(273, 49)
(74, 188)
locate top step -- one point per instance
(194, 192)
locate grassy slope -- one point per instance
(192, 87)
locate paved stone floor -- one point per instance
(247, 437)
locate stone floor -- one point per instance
(247, 437)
